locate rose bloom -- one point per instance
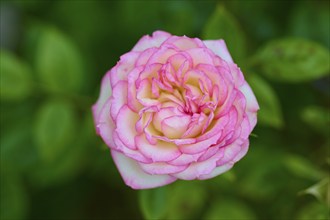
(175, 108)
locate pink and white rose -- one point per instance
(175, 108)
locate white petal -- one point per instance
(219, 48)
(135, 177)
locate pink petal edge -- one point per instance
(135, 177)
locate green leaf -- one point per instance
(154, 202)
(229, 209)
(254, 179)
(293, 60)
(187, 200)
(69, 162)
(32, 35)
(320, 190)
(182, 19)
(54, 128)
(15, 78)
(315, 211)
(16, 145)
(223, 25)
(304, 22)
(58, 62)
(64, 168)
(317, 117)
(270, 113)
(301, 167)
(13, 200)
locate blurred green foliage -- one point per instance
(53, 55)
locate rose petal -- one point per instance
(161, 168)
(162, 55)
(208, 153)
(157, 38)
(159, 152)
(181, 63)
(196, 125)
(206, 140)
(145, 56)
(243, 151)
(222, 83)
(230, 152)
(118, 98)
(135, 177)
(163, 113)
(219, 48)
(133, 154)
(237, 74)
(132, 102)
(175, 126)
(185, 159)
(184, 43)
(196, 169)
(143, 122)
(201, 55)
(217, 171)
(123, 67)
(105, 93)
(125, 123)
(144, 94)
(252, 105)
(105, 125)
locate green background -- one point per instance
(53, 56)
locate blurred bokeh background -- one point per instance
(53, 56)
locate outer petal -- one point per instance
(244, 150)
(119, 98)
(161, 168)
(196, 169)
(145, 55)
(184, 159)
(160, 152)
(217, 171)
(132, 102)
(146, 42)
(133, 154)
(233, 152)
(105, 125)
(219, 48)
(123, 67)
(184, 43)
(237, 74)
(105, 94)
(201, 55)
(125, 122)
(135, 177)
(252, 105)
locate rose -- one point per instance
(179, 109)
